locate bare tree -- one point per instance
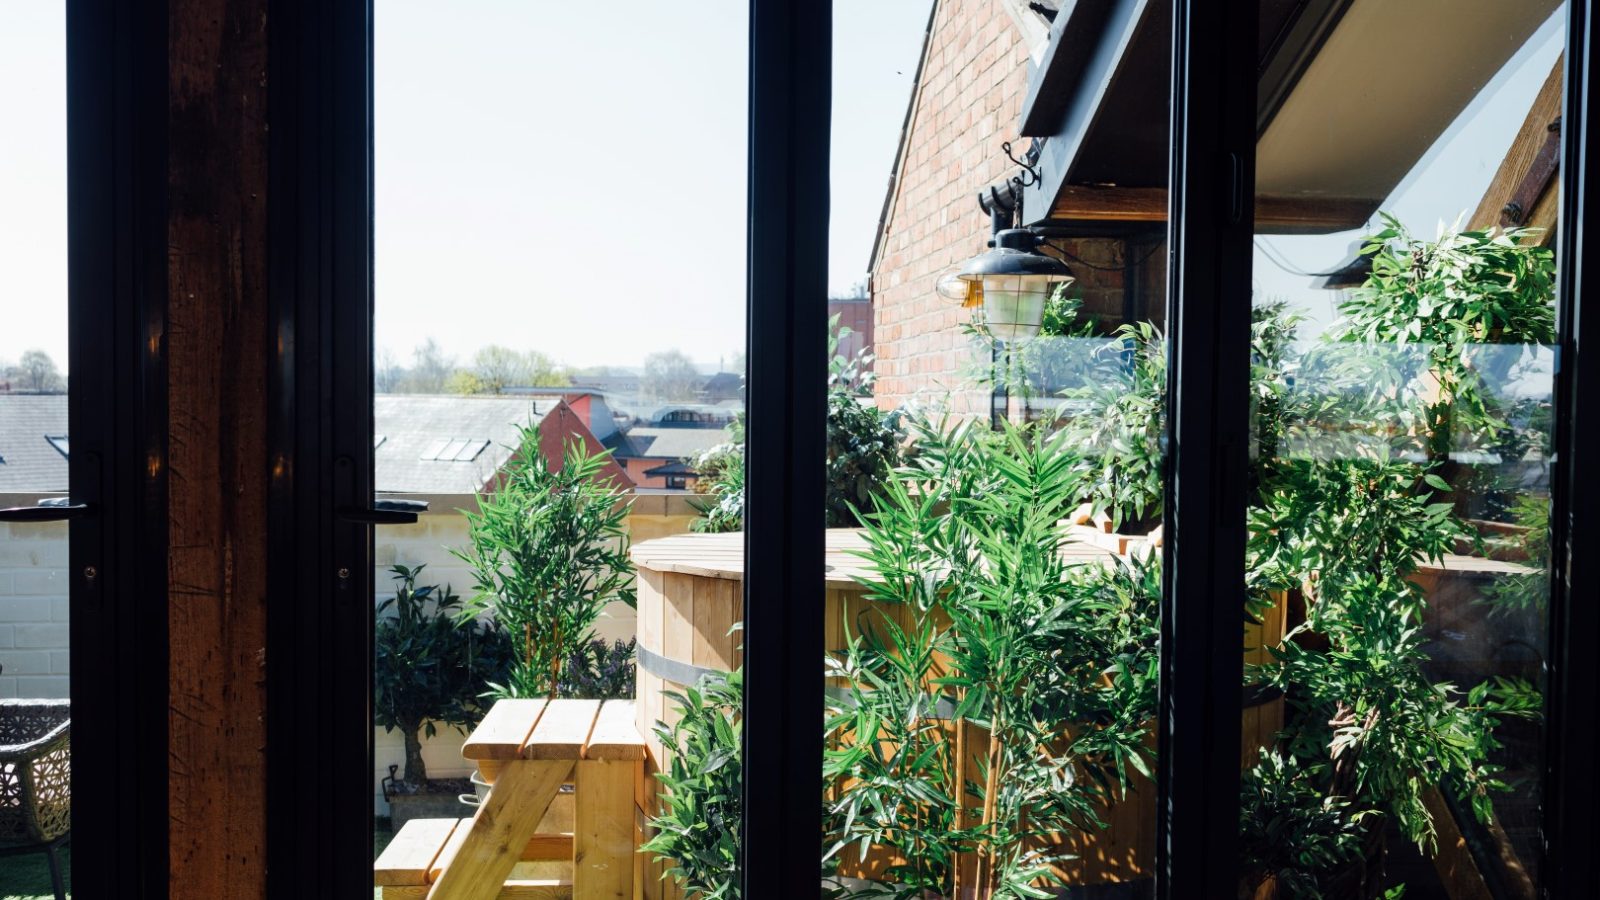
(669, 375)
(37, 372)
(387, 374)
(429, 369)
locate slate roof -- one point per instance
(29, 464)
(668, 443)
(425, 444)
(429, 444)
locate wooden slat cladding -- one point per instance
(218, 342)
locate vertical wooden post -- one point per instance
(218, 345)
(602, 841)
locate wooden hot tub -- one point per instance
(690, 593)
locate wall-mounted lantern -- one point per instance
(1012, 281)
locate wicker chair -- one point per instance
(35, 782)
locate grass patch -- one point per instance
(27, 877)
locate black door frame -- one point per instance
(1572, 693)
(1210, 219)
(117, 288)
(320, 579)
(320, 628)
(791, 52)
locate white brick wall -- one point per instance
(34, 655)
(33, 610)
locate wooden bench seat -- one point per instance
(527, 749)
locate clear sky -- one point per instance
(570, 177)
(566, 177)
(33, 179)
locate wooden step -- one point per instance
(533, 889)
(411, 855)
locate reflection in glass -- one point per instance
(1400, 474)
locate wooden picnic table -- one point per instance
(528, 749)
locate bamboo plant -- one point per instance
(548, 551)
(1009, 703)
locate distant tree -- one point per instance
(500, 367)
(543, 371)
(464, 382)
(669, 375)
(387, 375)
(429, 369)
(37, 372)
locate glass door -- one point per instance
(558, 404)
(82, 505)
(1404, 331)
(35, 606)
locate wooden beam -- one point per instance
(1524, 152)
(1280, 215)
(219, 337)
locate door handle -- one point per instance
(384, 512)
(51, 511)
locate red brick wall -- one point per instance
(974, 77)
(636, 468)
(969, 102)
(857, 316)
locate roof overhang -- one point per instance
(1352, 94)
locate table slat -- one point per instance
(504, 731)
(615, 736)
(563, 730)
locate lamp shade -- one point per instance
(1012, 282)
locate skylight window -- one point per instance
(59, 441)
(455, 450)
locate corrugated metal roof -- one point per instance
(409, 434)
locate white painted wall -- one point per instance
(429, 542)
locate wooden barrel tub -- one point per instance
(690, 595)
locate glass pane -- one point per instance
(34, 652)
(1401, 381)
(572, 442)
(994, 489)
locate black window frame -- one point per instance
(116, 94)
(321, 203)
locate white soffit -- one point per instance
(1390, 79)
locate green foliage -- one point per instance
(703, 790)
(1463, 289)
(1348, 501)
(599, 671)
(966, 542)
(428, 670)
(721, 475)
(864, 447)
(1120, 420)
(863, 451)
(1292, 831)
(548, 550)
